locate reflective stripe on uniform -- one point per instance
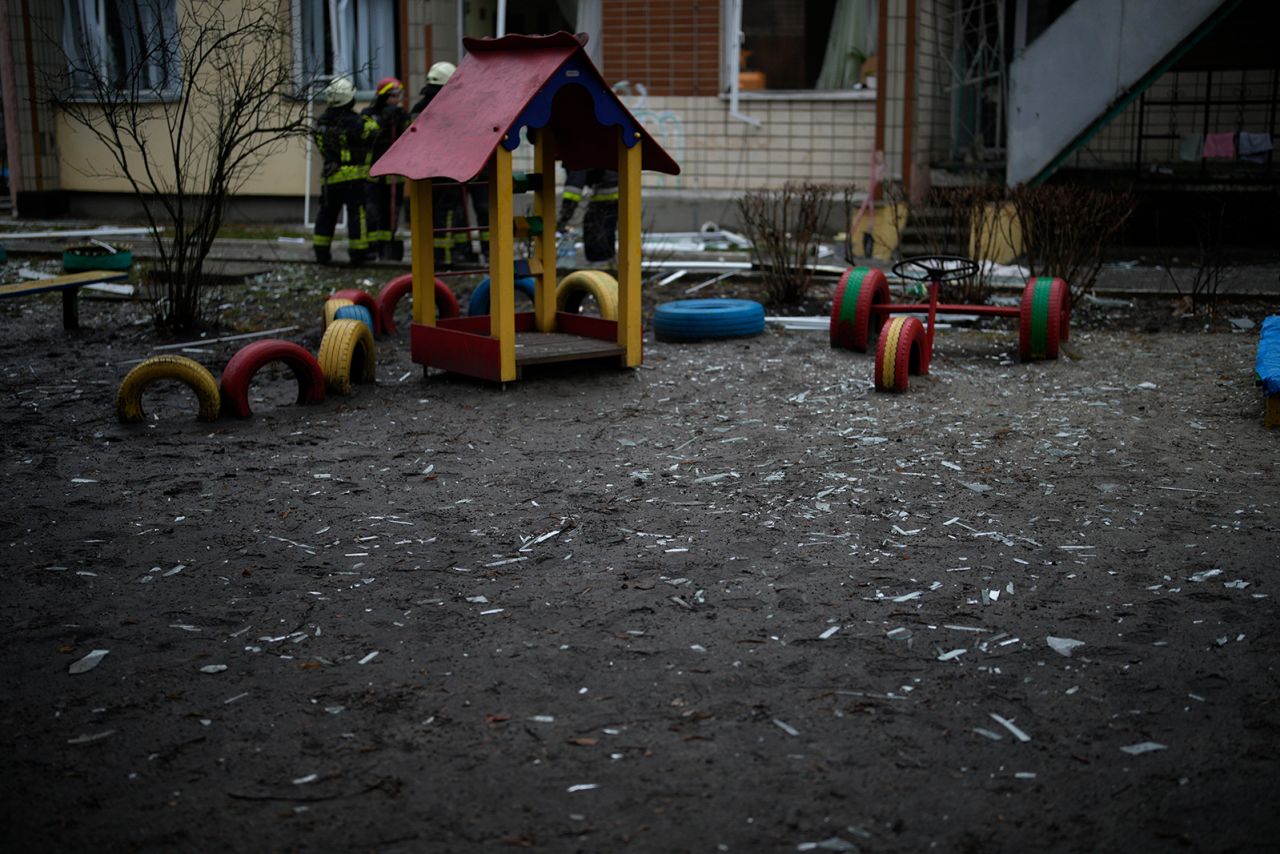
(348, 173)
(321, 240)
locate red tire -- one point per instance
(393, 291)
(359, 297)
(1045, 318)
(899, 353)
(859, 289)
(249, 359)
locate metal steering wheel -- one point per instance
(936, 268)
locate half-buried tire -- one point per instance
(249, 359)
(189, 372)
(576, 287)
(346, 355)
(394, 291)
(852, 318)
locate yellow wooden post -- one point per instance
(544, 205)
(502, 284)
(629, 321)
(422, 253)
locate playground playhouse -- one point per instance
(547, 86)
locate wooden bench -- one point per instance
(69, 285)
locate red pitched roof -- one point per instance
(486, 98)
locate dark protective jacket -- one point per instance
(345, 140)
(392, 121)
(425, 97)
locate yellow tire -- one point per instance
(331, 307)
(189, 372)
(346, 355)
(576, 287)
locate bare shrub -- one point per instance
(785, 227)
(1066, 228)
(1211, 265)
(188, 143)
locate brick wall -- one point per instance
(672, 47)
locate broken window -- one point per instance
(122, 45)
(351, 38)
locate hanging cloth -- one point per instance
(1191, 147)
(1220, 146)
(1254, 147)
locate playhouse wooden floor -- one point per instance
(540, 348)
(545, 347)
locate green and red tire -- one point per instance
(852, 315)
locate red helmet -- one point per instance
(388, 84)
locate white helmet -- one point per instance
(440, 73)
(340, 91)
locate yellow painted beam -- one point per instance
(502, 281)
(630, 329)
(422, 253)
(544, 205)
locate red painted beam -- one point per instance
(919, 308)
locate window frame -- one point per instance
(76, 35)
(731, 43)
(337, 41)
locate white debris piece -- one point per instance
(213, 668)
(1204, 575)
(786, 727)
(828, 633)
(1009, 725)
(1063, 646)
(1143, 747)
(952, 654)
(90, 661)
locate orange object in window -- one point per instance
(750, 80)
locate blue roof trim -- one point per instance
(575, 72)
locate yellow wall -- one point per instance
(87, 165)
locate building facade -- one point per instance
(749, 94)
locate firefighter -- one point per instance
(448, 205)
(437, 76)
(600, 222)
(388, 111)
(345, 140)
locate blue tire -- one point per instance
(690, 319)
(355, 312)
(480, 296)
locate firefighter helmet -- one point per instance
(340, 91)
(440, 73)
(388, 85)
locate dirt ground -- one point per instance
(733, 600)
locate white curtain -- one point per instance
(588, 21)
(311, 23)
(851, 42)
(362, 34)
(140, 48)
(82, 41)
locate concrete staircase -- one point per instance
(1089, 64)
